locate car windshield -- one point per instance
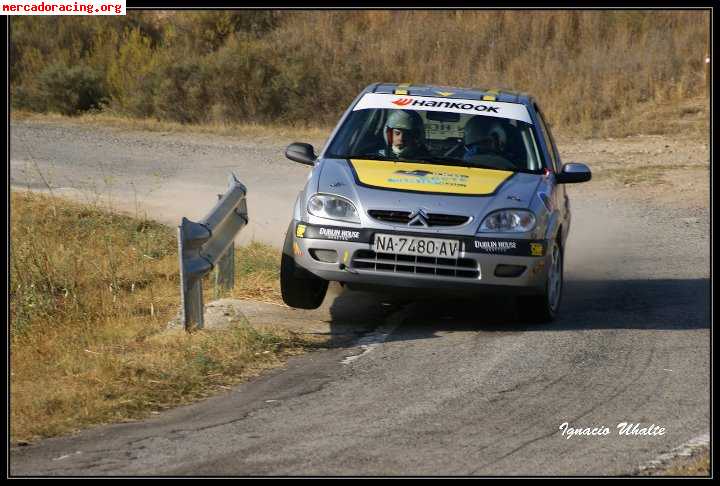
(437, 137)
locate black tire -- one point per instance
(300, 288)
(544, 308)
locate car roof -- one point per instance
(502, 95)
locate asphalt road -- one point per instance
(444, 387)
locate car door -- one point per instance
(559, 194)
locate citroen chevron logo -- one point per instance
(418, 218)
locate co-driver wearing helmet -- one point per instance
(404, 136)
(485, 142)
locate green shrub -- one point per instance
(132, 75)
(239, 80)
(182, 92)
(69, 89)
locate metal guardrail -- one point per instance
(201, 245)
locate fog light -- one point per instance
(325, 256)
(509, 270)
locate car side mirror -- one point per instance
(301, 152)
(573, 172)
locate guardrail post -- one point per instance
(193, 266)
(225, 270)
(202, 245)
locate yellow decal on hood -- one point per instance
(446, 179)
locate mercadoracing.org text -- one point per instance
(59, 7)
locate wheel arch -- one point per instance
(287, 244)
(555, 229)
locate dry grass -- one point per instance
(698, 464)
(256, 269)
(687, 118)
(91, 295)
(595, 72)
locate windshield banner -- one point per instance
(512, 111)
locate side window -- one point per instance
(348, 137)
(556, 154)
(548, 140)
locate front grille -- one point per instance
(399, 217)
(433, 219)
(393, 263)
(446, 219)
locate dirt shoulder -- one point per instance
(649, 169)
(250, 131)
(672, 168)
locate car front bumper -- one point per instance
(478, 268)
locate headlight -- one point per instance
(508, 221)
(333, 207)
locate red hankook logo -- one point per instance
(402, 101)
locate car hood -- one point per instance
(443, 189)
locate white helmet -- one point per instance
(411, 123)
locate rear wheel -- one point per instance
(299, 288)
(544, 308)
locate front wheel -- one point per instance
(299, 288)
(544, 308)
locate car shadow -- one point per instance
(664, 304)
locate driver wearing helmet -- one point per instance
(485, 139)
(404, 135)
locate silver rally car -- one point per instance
(433, 187)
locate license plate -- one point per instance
(416, 246)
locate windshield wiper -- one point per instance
(375, 157)
(472, 165)
(443, 160)
(424, 160)
(361, 156)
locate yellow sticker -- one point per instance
(345, 256)
(402, 89)
(446, 179)
(490, 94)
(296, 249)
(536, 249)
(300, 230)
(445, 93)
